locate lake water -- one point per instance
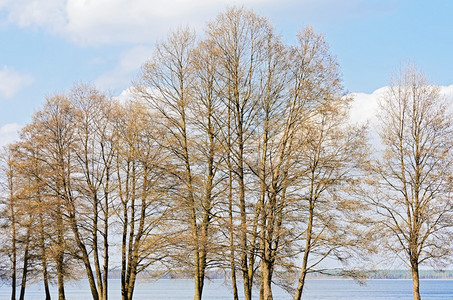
(217, 290)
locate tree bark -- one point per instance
(25, 266)
(303, 270)
(230, 215)
(266, 279)
(59, 258)
(415, 280)
(13, 242)
(45, 275)
(106, 244)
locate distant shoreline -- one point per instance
(371, 275)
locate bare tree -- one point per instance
(240, 38)
(52, 133)
(412, 178)
(94, 152)
(234, 153)
(332, 156)
(142, 186)
(42, 210)
(24, 212)
(276, 124)
(9, 217)
(330, 153)
(206, 110)
(179, 89)
(51, 130)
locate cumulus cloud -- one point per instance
(447, 92)
(12, 81)
(364, 108)
(364, 111)
(9, 133)
(126, 95)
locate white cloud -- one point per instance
(126, 95)
(111, 21)
(447, 92)
(9, 133)
(31, 13)
(364, 106)
(107, 21)
(12, 81)
(364, 109)
(96, 22)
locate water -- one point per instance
(218, 290)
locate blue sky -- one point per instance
(48, 46)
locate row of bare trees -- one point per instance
(85, 175)
(234, 154)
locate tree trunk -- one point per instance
(13, 274)
(85, 257)
(124, 247)
(46, 283)
(199, 277)
(231, 232)
(303, 271)
(242, 206)
(199, 268)
(59, 259)
(203, 247)
(45, 275)
(198, 287)
(230, 211)
(25, 267)
(261, 213)
(71, 215)
(266, 279)
(128, 234)
(132, 279)
(415, 281)
(60, 276)
(197, 294)
(95, 249)
(124, 253)
(14, 250)
(106, 247)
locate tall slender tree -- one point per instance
(412, 178)
(168, 86)
(240, 37)
(51, 133)
(144, 207)
(9, 217)
(94, 151)
(330, 154)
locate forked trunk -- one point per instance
(199, 282)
